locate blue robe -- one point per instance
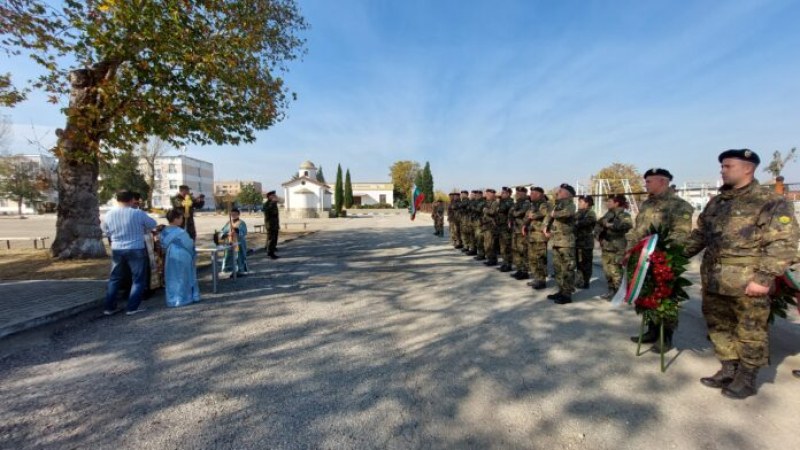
(241, 254)
(180, 272)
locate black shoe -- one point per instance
(459, 247)
(563, 299)
(273, 256)
(472, 253)
(491, 262)
(554, 296)
(723, 377)
(506, 268)
(584, 286)
(523, 276)
(479, 258)
(743, 384)
(539, 285)
(649, 337)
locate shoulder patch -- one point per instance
(784, 219)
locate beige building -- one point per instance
(234, 187)
(373, 193)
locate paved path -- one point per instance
(380, 336)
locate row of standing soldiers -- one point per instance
(748, 236)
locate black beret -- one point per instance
(568, 188)
(522, 189)
(659, 172)
(505, 189)
(743, 154)
(491, 190)
(465, 192)
(538, 189)
(270, 193)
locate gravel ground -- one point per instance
(376, 334)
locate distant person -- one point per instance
(125, 227)
(272, 223)
(559, 229)
(610, 232)
(585, 220)
(180, 271)
(235, 233)
(437, 214)
(188, 204)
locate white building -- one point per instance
(304, 196)
(373, 194)
(173, 171)
(48, 166)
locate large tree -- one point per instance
(338, 192)
(427, 182)
(320, 175)
(122, 173)
(249, 196)
(615, 177)
(348, 190)
(187, 72)
(403, 174)
(22, 180)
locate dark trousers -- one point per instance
(122, 263)
(272, 240)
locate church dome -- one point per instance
(308, 165)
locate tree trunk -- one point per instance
(19, 206)
(78, 233)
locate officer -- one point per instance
(585, 220)
(662, 209)
(491, 208)
(272, 223)
(560, 231)
(505, 229)
(537, 240)
(519, 240)
(749, 234)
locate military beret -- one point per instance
(506, 189)
(491, 190)
(522, 189)
(568, 188)
(660, 172)
(743, 154)
(465, 192)
(537, 189)
(270, 193)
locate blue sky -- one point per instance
(504, 92)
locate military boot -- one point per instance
(522, 276)
(554, 296)
(472, 252)
(650, 336)
(563, 299)
(723, 377)
(490, 262)
(479, 258)
(743, 384)
(667, 342)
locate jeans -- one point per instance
(122, 263)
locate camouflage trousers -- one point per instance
(583, 264)
(564, 265)
(537, 260)
(504, 246)
(478, 236)
(738, 327)
(467, 235)
(519, 243)
(612, 267)
(490, 245)
(438, 225)
(455, 233)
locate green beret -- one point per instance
(743, 154)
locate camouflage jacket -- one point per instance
(562, 224)
(503, 215)
(518, 212)
(437, 212)
(477, 209)
(489, 215)
(665, 210)
(452, 211)
(611, 229)
(585, 220)
(535, 220)
(749, 234)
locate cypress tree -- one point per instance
(348, 191)
(338, 192)
(427, 183)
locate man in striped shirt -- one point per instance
(125, 227)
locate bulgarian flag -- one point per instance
(417, 197)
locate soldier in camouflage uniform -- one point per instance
(465, 222)
(452, 220)
(491, 209)
(437, 214)
(662, 209)
(749, 234)
(610, 231)
(537, 240)
(560, 231)
(504, 229)
(477, 214)
(519, 240)
(585, 220)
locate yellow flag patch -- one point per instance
(784, 219)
